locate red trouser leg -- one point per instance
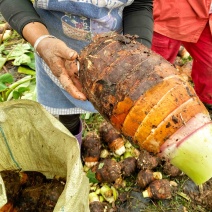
(201, 53)
(166, 47)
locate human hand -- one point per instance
(62, 62)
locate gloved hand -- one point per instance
(62, 62)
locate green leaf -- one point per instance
(31, 65)
(6, 78)
(2, 47)
(27, 59)
(3, 87)
(31, 94)
(91, 176)
(19, 50)
(32, 62)
(23, 59)
(5, 52)
(2, 62)
(24, 82)
(16, 95)
(23, 89)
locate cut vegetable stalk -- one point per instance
(127, 154)
(93, 197)
(7, 34)
(109, 193)
(193, 154)
(120, 183)
(104, 153)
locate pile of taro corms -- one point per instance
(124, 178)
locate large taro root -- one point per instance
(143, 96)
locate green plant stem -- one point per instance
(14, 85)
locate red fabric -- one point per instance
(182, 20)
(166, 47)
(201, 53)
